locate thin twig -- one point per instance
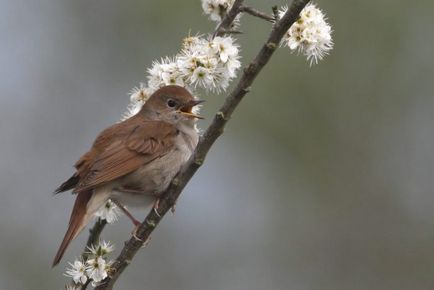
(226, 23)
(252, 11)
(93, 239)
(232, 31)
(175, 188)
(275, 12)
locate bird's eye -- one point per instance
(171, 103)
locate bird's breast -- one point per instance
(154, 177)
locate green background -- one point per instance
(322, 180)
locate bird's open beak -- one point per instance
(186, 109)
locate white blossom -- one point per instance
(202, 76)
(138, 96)
(206, 62)
(203, 62)
(209, 63)
(109, 212)
(231, 67)
(310, 34)
(77, 272)
(224, 47)
(164, 73)
(106, 247)
(140, 93)
(191, 41)
(132, 109)
(97, 269)
(103, 248)
(216, 9)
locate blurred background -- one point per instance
(322, 180)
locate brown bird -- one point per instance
(133, 162)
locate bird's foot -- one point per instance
(127, 213)
(134, 233)
(155, 207)
(146, 243)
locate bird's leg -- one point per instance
(130, 216)
(134, 233)
(127, 213)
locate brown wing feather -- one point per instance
(104, 140)
(83, 166)
(147, 141)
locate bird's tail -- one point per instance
(85, 206)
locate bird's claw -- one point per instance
(155, 207)
(134, 234)
(156, 212)
(146, 243)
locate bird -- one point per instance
(132, 162)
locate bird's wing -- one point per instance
(122, 155)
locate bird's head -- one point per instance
(172, 104)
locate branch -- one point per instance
(232, 31)
(216, 128)
(252, 11)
